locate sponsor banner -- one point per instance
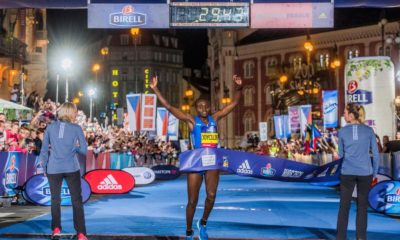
(292, 15)
(184, 144)
(166, 172)
(162, 123)
(148, 113)
(281, 124)
(37, 190)
(128, 15)
(133, 105)
(305, 118)
(121, 160)
(253, 165)
(173, 127)
(263, 127)
(330, 108)
(370, 82)
(294, 119)
(14, 172)
(142, 175)
(103, 161)
(384, 197)
(110, 181)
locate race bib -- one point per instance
(209, 140)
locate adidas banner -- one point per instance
(252, 165)
(110, 181)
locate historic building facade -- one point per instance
(129, 62)
(23, 48)
(262, 64)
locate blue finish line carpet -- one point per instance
(245, 208)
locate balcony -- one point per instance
(12, 48)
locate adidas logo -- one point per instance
(244, 168)
(109, 183)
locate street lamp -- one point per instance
(135, 34)
(189, 91)
(95, 69)
(186, 108)
(382, 24)
(91, 93)
(66, 65)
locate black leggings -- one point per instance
(194, 181)
(74, 184)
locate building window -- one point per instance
(352, 53)
(387, 51)
(38, 49)
(248, 69)
(165, 41)
(271, 68)
(248, 121)
(249, 93)
(156, 39)
(174, 42)
(268, 96)
(322, 58)
(296, 61)
(124, 39)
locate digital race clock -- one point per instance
(209, 14)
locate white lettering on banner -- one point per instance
(208, 160)
(292, 173)
(109, 183)
(358, 98)
(128, 19)
(393, 199)
(162, 171)
(245, 168)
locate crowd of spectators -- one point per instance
(28, 137)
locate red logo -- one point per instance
(352, 86)
(128, 9)
(398, 191)
(110, 181)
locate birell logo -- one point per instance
(268, 171)
(110, 181)
(393, 198)
(128, 17)
(360, 97)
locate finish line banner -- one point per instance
(252, 165)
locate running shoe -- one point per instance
(82, 236)
(56, 233)
(189, 237)
(202, 231)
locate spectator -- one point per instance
(14, 93)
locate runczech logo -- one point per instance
(225, 161)
(268, 171)
(128, 17)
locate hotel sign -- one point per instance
(128, 15)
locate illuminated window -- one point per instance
(352, 52)
(271, 68)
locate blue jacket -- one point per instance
(356, 143)
(65, 141)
